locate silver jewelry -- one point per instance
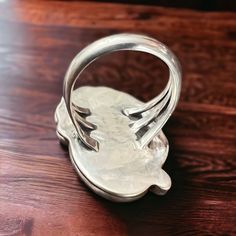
(115, 141)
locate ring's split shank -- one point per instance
(119, 42)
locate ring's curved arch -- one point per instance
(118, 42)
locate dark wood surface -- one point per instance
(40, 193)
(203, 5)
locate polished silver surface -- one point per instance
(115, 141)
(119, 170)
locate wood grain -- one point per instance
(40, 193)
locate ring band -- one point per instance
(160, 108)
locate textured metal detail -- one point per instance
(120, 170)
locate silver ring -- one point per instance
(115, 141)
(160, 108)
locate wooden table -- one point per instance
(40, 193)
